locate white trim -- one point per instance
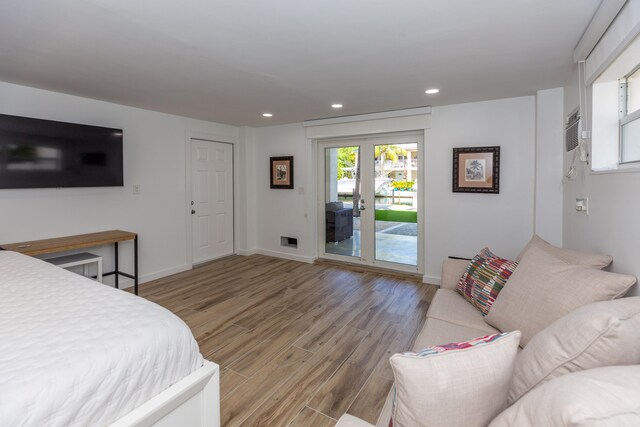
(285, 255)
(370, 116)
(199, 391)
(623, 168)
(247, 252)
(622, 31)
(432, 280)
(125, 283)
(370, 127)
(600, 21)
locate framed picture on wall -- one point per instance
(281, 172)
(476, 170)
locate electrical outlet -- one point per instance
(582, 205)
(136, 189)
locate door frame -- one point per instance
(208, 137)
(376, 139)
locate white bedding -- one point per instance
(77, 353)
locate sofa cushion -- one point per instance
(436, 331)
(607, 396)
(450, 306)
(387, 410)
(544, 288)
(452, 271)
(596, 335)
(433, 386)
(571, 257)
(484, 278)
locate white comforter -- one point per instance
(77, 353)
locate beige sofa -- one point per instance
(450, 318)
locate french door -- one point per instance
(369, 203)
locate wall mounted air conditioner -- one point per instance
(571, 129)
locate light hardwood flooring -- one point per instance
(298, 344)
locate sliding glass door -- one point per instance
(369, 207)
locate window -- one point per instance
(629, 110)
(615, 113)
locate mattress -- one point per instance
(74, 352)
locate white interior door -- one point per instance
(212, 200)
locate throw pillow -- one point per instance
(544, 288)
(599, 261)
(458, 384)
(607, 396)
(596, 335)
(484, 278)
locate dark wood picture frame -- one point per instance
(281, 172)
(476, 170)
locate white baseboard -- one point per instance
(432, 280)
(285, 255)
(247, 252)
(125, 282)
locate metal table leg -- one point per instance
(115, 246)
(135, 263)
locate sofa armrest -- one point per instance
(452, 270)
(350, 421)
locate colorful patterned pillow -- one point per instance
(433, 384)
(484, 278)
(436, 349)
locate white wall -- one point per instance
(281, 212)
(549, 164)
(154, 157)
(456, 224)
(461, 224)
(612, 225)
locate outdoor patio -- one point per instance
(395, 242)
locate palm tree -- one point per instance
(390, 152)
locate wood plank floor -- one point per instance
(298, 344)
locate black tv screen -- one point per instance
(37, 153)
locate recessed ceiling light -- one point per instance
(267, 115)
(336, 105)
(431, 91)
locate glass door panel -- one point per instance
(396, 203)
(342, 201)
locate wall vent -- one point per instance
(289, 242)
(571, 128)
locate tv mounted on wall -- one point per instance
(37, 153)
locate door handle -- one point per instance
(192, 211)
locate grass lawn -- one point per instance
(396, 216)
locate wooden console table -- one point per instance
(68, 243)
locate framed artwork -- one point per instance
(282, 172)
(476, 170)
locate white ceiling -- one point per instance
(231, 60)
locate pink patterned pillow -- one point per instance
(436, 349)
(484, 278)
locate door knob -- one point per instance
(192, 211)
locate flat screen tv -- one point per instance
(37, 153)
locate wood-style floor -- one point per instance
(298, 344)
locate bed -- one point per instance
(74, 352)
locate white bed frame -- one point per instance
(193, 401)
